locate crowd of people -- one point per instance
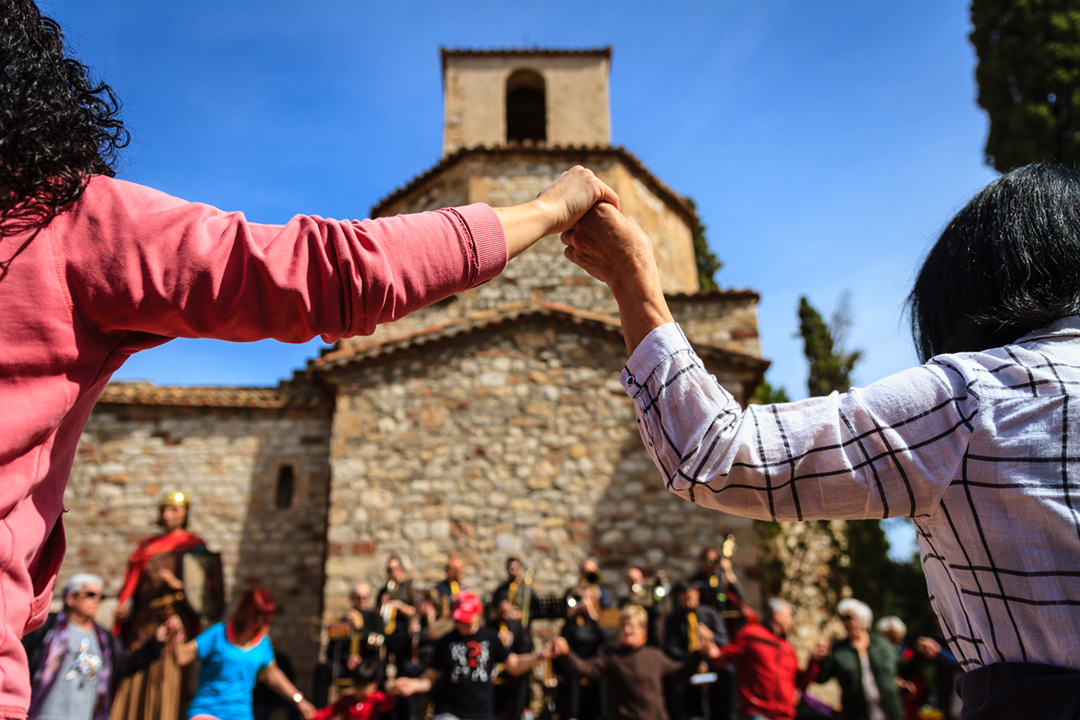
(694, 649)
(646, 650)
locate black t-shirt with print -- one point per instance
(465, 665)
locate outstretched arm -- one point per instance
(406, 686)
(843, 456)
(275, 679)
(179, 269)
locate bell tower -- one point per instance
(539, 98)
(514, 119)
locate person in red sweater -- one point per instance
(365, 701)
(766, 666)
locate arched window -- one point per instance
(283, 493)
(526, 109)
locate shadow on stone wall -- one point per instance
(639, 523)
(282, 543)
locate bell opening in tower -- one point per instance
(526, 107)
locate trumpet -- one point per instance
(661, 588)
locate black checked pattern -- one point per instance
(981, 450)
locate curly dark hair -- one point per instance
(57, 125)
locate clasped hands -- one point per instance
(598, 237)
(615, 250)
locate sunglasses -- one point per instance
(89, 595)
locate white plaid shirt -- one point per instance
(981, 449)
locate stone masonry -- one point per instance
(510, 438)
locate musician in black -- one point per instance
(449, 588)
(719, 588)
(682, 636)
(397, 600)
(579, 698)
(363, 637)
(397, 606)
(511, 693)
(517, 589)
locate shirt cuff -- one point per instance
(488, 238)
(658, 345)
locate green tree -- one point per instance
(1029, 79)
(830, 366)
(707, 262)
(870, 573)
(766, 394)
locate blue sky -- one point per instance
(826, 143)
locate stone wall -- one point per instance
(228, 460)
(723, 319)
(508, 177)
(516, 439)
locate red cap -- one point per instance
(467, 606)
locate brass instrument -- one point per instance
(526, 598)
(660, 587)
(730, 546)
(550, 681)
(338, 641)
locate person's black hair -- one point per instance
(1007, 264)
(58, 126)
(368, 671)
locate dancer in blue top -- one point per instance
(234, 656)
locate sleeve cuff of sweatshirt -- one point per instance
(489, 240)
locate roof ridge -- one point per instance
(352, 349)
(473, 321)
(604, 50)
(142, 392)
(453, 158)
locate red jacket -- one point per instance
(349, 707)
(768, 672)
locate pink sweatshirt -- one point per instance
(127, 268)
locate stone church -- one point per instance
(487, 425)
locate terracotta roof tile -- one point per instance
(337, 359)
(281, 397)
(730, 294)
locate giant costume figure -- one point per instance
(152, 591)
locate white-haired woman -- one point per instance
(864, 663)
(75, 663)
